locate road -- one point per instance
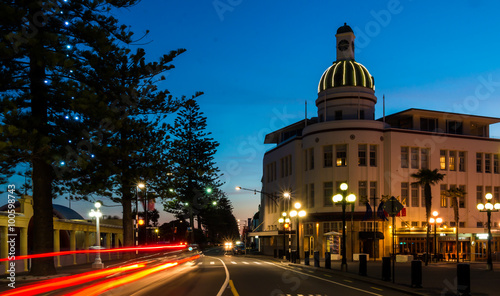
(218, 274)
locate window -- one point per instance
(422, 194)
(414, 158)
(362, 192)
(311, 158)
(452, 160)
(479, 224)
(461, 161)
(361, 114)
(404, 157)
(461, 200)
(271, 172)
(306, 194)
(487, 163)
(282, 167)
(496, 164)
(479, 162)
(414, 223)
(373, 155)
(496, 195)
(479, 194)
(327, 193)
(461, 224)
(444, 198)
(341, 151)
(454, 127)
(362, 155)
(414, 195)
(338, 115)
(404, 193)
(428, 124)
(424, 158)
(310, 195)
(308, 229)
(327, 156)
(373, 191)
(423, 223)
(442, 159)
(452, 224)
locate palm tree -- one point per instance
(426, 178)
(455, 194)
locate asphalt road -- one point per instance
(219, 274)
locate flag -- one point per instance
(380, 212)
(151, 205)
(368, 212)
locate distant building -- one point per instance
(376, 157)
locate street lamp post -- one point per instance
(436, 221)
(344, 199)
(97, 214)
(298, 214)
(286, 222)
(488, 207)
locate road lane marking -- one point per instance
(257, 262)
(211, 262)
(233, 289)
(327, 275)
(226, 282)
(234, 262)
(245, 262)
(348, 281)
(330, 281)
(377, 288)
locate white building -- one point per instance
(376, 158)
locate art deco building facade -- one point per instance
(345, 143)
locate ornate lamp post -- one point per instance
(298, 214)
(344, 199)
(435, 221)
(97, 214)
(488, 207)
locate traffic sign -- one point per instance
(393, 206)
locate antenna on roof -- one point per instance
(383, 103)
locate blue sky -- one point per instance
(258, 62)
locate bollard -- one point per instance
(288, 255)
(316, 258)
(463, 279)
(386, 268)
(416, 274)
(328, 261)
(306, 258)
(275, 253)
(280, 254)
(362, 265)
(294, 256)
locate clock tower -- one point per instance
(345, 43)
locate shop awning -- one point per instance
(263, 233)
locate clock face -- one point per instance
(343, 45)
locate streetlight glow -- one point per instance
(141, 185)
(297, 205)
(293, 213)
(238, 188)
(343, 186)
(488, 196)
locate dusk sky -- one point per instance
(259, 61)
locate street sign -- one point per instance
(393, 206)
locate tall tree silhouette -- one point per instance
(426, 178)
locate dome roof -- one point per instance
(346, 73)
(344, 29)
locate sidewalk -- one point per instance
(437, 278)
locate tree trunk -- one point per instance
(428, 205)
(43, 225)
(128, 227)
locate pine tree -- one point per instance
(193, 168)
(71, 96)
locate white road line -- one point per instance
(257, 262)
(226, 282)
(245, 262)
(211, 262)
(330, 281)
(234, 262)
